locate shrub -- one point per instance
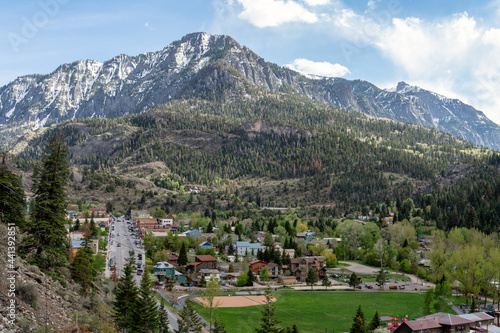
(34, 269)
(28, 292)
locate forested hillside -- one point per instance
(284, 151)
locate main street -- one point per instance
(127, 239)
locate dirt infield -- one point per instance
(237, 301)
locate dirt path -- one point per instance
(237, 301)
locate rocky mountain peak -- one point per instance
(199, 65)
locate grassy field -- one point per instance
(313, 311)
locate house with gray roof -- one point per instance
(244, 248)
(165, 271)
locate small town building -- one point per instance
(202, 262)
(436, 323)
(209, 273)
(300, 266)
(165, 272)
(244, 248)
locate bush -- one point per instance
(34, 269)
(28, 292)
(65, 272)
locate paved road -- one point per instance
(125, 238)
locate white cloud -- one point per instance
(317, 2)
(454, 57)
(148, 26)
(372, 4)
(273, 13)
(318, 68)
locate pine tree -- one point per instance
(188, 322)
(311, 278)
(47, 242)
(358, 325)
(353, 280)
(218, 326)
(183, 259)
(81, 268)
(125, 300)
(375, 323)
(146, 316)
(293, 329)
(163, 321)
(12, 197)
(326, 282)
(93, 227)
(76, 227)
(381, 279)
(270, 324)
(251, 278)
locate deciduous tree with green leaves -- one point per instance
(209, 301)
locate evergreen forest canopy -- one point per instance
(315, 154)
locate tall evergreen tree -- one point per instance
(183, 259)
(188, 322)
(354, 281)
(293, 329)
(269, 323)
(326, 282)
(82, 270)
(311, 278)
(47, 243)
(146, 314)
(375, 323)
(358, 325)
(251, 278)
(12, 197)
(218, 326)
(125, 300)
(163, 321)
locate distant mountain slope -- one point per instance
(212, 66)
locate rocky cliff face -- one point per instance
(209, 65)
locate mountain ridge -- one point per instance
(204, 65)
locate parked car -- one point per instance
(139, 272)
(118, 245)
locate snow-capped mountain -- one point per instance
(206, 65)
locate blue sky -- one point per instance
(448, 46)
